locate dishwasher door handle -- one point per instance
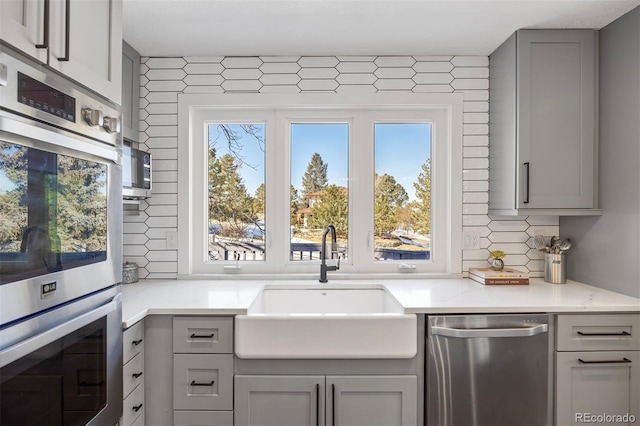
(490, 332)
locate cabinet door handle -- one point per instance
(137, 408)
(136, 375)
(317, 404)
(614, 361)
(45, 28)
(67, 31)
(622, 333)
(194, 383)
(136, 342)
(526, 187)
(333, 404)
(201, 336)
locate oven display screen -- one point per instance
(38, 95)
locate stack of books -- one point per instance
(508, 276)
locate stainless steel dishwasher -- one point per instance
(490, 370)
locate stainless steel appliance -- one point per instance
(60, 250)
(136, 172)
(490, 370)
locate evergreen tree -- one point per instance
(229, 201)
(259, 202)
(389, 198)
(315, 177)
(331, 208)
(423, 193)
(294, 200)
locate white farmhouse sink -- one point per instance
(325, 322)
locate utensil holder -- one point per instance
(555, 268)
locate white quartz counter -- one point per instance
(429, 296)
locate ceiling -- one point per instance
(348, 27)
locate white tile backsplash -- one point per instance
(163, 78)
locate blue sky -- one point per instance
(400, 151)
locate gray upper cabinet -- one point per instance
(543, 124)
(130, 92)
(80, 39)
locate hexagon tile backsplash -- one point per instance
(162, 79)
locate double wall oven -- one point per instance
(60, 251)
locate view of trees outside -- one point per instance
(236, 191)
(63, 196)
(319, 173)
(319, 189)
(402, 191)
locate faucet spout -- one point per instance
(323, 253)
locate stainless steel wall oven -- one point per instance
(60, 250)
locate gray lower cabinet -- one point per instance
(203, 418)
(597, 369)
(326, 400)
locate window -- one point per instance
(402, 191)
(261, 176)
(319, 167)
(235, 191)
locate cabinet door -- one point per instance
(279, 400)
(597, 383)
(22, 25)
(87, 46)
(556, 101)
(130, 92)
(372, 400)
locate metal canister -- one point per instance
(555, 268)
(129, 272)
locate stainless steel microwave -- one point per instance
(136, 173)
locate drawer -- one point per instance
(133, 406)
(202, 382)
(132, 374)
(203, 418)
(598, 332)
(132, 341)
(203, 335)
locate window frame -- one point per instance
(194, 113)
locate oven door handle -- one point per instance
(29, 345)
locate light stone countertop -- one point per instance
(428, 296)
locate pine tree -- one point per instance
(294, 200)
(229, 201)
(331, 208)
(423, 193)
(315, 178)
(389, 198)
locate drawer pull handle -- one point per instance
(136, 342)
(622, 333)
(137, 408)
(194, 383)
(615, 361)
(136, 375)
(202, 336)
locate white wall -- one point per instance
(163, 78)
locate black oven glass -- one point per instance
(40, 96)
(62, 383)
(53, 212)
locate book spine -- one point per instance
(500, 281)
(498, 275)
